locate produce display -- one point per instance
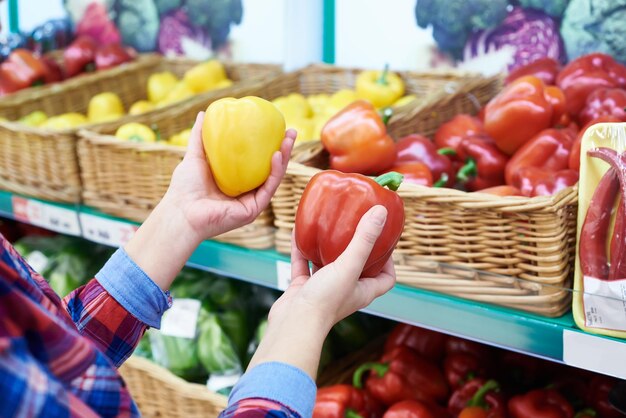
(423, 373)
(162, 89)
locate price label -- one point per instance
(283, 273)
(106, 231)
(181, 319)
(46, 216)
(595, 353)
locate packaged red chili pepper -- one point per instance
(600, 278)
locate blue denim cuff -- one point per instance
(131, 287)
(278, 382)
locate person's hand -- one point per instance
(207, 210)
(301, 318)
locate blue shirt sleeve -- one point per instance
(278, 382)
(131, 287)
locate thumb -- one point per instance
(195, 148)
(353, 259)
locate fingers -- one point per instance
(351, 261)
(373, 287)
(280, 160)
(299, 265)
(195, 147)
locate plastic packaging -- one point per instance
(600, 280)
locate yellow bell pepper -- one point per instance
(160, 85)
(65, 121)
(36, 118)
(304, 127)
(181, 139)
(105, 107)
(240, 136)
(141, 106)
(293, 106)
(135, 132)
(224, 83)
(318, 102)
(179, 93)
(381, 88)
(339, 100)
(205, 76)
(405, 100)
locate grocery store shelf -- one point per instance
(555, 339)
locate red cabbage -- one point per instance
(96, 24)
(177, 36)
(524, 36)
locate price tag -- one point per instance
(181, 319)
(106, 231)
(595, 353)
(46, 216)
(283, 273)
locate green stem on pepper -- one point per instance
(588, 412)
(443, 180)
(383, 76)
(446, 151)
(479, 397)
(352, 414)
(386, 114)
(391, 180)
(468, 171)
(379, 368)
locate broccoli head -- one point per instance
(138, 22)
(554, 8)
(215, 17)
(165, 6)
(454, 20)
(595, 26)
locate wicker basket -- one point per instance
(158, 393)
(511, 251)
(43, 163)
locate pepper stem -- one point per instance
(446, 151)
(386, 114)
(479, 397)
(443, 180)
(350, 413)
(383, 76)
(467, 171)
(586, 412)
(391, 180)
(379, 368)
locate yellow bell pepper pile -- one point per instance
(138, 132)
(308, 115)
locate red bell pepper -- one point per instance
(23, 69)
(535, 181)
(540, 403)
(6, 85)
(357, 141)
(585, 74)
(520, 371)
(461, 345)
(415, 409)
(403, 375)
(574, 158)
(546, 69)
(345, 401)
(418, 148)
(557, 100)
(484, 164)
(520, 111)
(80, 56)
(415, 173)
(331, 207)
(478, 393)
(604, 102)
(549, 149)
(598, 397)
(503, 191)
(110, 56)
(427, 343)
(450, 134)
(461, 367)
(54, 71)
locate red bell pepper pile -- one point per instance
(426, 374)
(23, 68)
(525, 142)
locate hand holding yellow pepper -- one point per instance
(240, 136)
(381, 88)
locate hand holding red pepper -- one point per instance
(345, 401)
(357, 141)
(484, 164)
(540, 403)
(585, 74)
(330, 209)
(403, 375)
(418, 148)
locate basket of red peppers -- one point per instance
(490, 200)
(426, 374)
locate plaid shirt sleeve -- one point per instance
(258, 408)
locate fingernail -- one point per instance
(379, 215)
